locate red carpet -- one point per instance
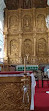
(41, 98)
(14, 72)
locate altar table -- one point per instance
(15, 92)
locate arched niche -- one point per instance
(26, 4)
(40, 23)
(42, 47)
(14, 47)
(27, 50)
(27, 22)
(13, 22)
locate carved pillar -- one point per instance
(20, 21)
(34, 45)
(5, 49)
(5, 21)
(34, 56)
(5, 36)
(34, 15)
(20, 48)
(48, 45)
(20, 3)
(20, 37)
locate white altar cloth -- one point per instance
(33, 84)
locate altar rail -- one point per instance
(13, 67)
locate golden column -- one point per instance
(34, 35)
(20, 45)
(34, 19)
(5, 49)
(34, 56)
(34, 45)
(5, 36)
(20, 37)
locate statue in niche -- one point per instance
(42, 47)
(14, 4)
(13, 21)
(14, 48)
(27, 22)
(26, 1)
(28, 50)
(27, 4)
(41, 22)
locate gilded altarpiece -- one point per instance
(26, 35)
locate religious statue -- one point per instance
(27, 3)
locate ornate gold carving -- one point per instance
(42, 47)
(27, 50)
(27, 46)
(42, 60)
(40, 23)
(13, 24)
(26, 3)
(14, 47)
(14, 50)
(26, 23)
(13, 60)
(11, 94)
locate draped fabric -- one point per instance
(33, 84)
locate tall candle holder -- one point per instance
(25, 87)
